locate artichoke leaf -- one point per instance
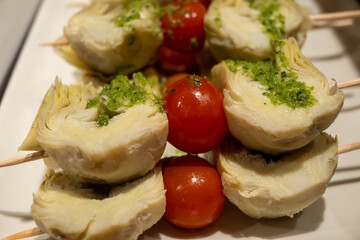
(234, 31)
(66, 209)
(128, 147)
(264, 186)
(112, 48)
(258, 122)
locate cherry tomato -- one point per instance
(175, 77)
(206, 3)
(194, 196)
(183, 25)
(171, 61)
(197, 121)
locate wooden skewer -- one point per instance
(23, 159)
(335, 15)
(336, 23)
(25, 234)
(37, 231)
(316, 17)
(42, 154)
(349, 148)
(60, 42)
(350, 83)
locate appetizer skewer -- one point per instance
(37, 231)
(91, 55)
(278, 105)
(75, 126)
(116, 36)
(41, 154)
(243, 30)
(338, 151)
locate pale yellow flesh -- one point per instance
(127, 148)
(259, 124)
(68, 210)
(276, 189)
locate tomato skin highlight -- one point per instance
(183, 26)
(194, 196)
(197, 121)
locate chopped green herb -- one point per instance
(122, 93)
(171, 9)
(218, 23)
(95, 102)
(195, 81)
(176, 22)
(270, 17)
(278, 77)
(103, 120)
(193, 43)
(132, 12)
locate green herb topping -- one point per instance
(122, 93)
(133, 12)
(195, 81)
(270, 17)
(279, 79)
(193, 43)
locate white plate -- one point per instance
(19, 17)
(335, 216)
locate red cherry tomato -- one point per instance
(206, 3)
(183, 25)
(194, 196)
(197, 121)
(171, 61)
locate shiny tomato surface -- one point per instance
(183, 26)
(194, 196)
(197, 121)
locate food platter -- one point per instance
(336, 215)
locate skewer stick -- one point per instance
(42, 154)
(344, 15)
(60, 42)
(37, 231)
(23, 159)
(335, 15)
(349, 148)
(336, 23)
(25, 234)
(350, 83)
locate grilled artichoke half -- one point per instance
(270, 187)
(277, 106)
(242, 29)
(116, 36)
(69, 210)
(128, 145)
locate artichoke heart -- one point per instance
(264, 186)
(243, 29)
(116, 36)
(69, 210)
(128, 146)
(280, 105)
